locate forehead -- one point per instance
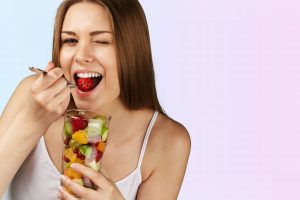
(86, 16)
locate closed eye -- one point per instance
(102, 42)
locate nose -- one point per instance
(84, 54)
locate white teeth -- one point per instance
(88, 75)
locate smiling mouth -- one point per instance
(87, 81)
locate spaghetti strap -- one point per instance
(146, 138)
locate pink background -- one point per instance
(228, 70)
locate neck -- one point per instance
(125, 123)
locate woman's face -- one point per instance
(88, 57)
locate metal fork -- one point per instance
(40, 71)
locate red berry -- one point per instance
(85, 84)
(66, 159)
(81, 157)
(98, 156)
(79, 123)
(67, 140)
(76, 151)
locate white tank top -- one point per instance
(38, 177)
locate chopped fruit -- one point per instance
(81, 137)
(87, 182)
(88, 152)
(102, 119)
(81, 157)
(83, 148)
(66, 159)
(69, 190)
(84, 141)
(93, 131)
(79, 160)
(68, 129)
(78, 180)
(74, 144)
(68, 165)
(104, 133)
(94, 140)
(85, 84)
(67, 140)
(101, 146)
(69, 154)
(76, 151)
(94, 165)
(95, 123)
(94, 127)
(79, 123)
(99, 155)
(72, 174)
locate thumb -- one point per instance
(50, 66)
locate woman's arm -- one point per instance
(36, 103)
(16, 102)
(172, 145)
(17, 134)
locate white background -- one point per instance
(228, 70)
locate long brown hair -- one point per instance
(133, 50)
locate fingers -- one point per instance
(60, 101)
(63, 194)
(77, 189)
(47, 96)
(96, 177)
(105, 190)
(45, 81)
(50, 66)
(50, 89)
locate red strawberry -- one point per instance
(85, 84)
(79, 123)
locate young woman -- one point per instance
(146, 158)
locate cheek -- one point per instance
(108, 60)
(65, 61)
(112, 74)
(113, 80)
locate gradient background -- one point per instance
(228, 70)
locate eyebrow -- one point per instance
(91, 33)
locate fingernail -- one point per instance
(74, 166)
(60, 189)
(64, 177)
(58, 195)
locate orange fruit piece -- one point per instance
(68, 153)
(80, 137)
(101, 146)
(72, 174)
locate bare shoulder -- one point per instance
(17, 99)
(170, 135)
(21, 90)
(165, 160)
(169, 140)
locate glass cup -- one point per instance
(85, 136)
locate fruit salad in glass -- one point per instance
(85, 137)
